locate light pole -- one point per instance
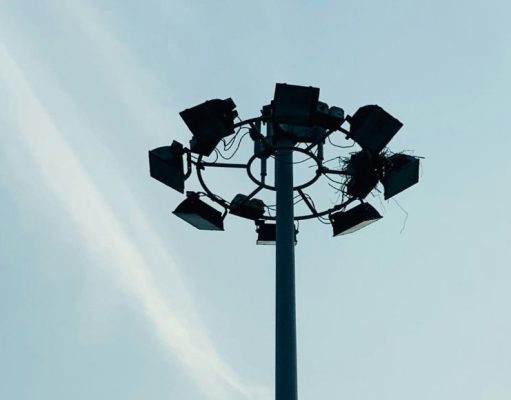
(285, 308)
(296, 121)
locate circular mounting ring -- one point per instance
(299, 187)
(260, 185)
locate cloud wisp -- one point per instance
(103, 233)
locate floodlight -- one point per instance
(402, 171)
(199, 214)
(166, 165)
(209, 122)
(267, 233)
(328, 118)
(361, 168)
(373, 128)
(294, 104)
(252, 209)
(356, 218)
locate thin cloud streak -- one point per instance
(95, 220)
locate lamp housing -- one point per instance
(166, 165)
(373, 128)
(362, 169)
(199, 214)
(328, 117)
(401, 172)
(352, 220)
(294, 104)
(267, 233)
(251, 209)
(209, 122)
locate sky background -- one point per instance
(105, 294)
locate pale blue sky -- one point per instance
(104, 294)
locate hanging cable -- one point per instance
(235, 151)
(338, 145)
(406, 215)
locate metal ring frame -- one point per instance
(201, 165)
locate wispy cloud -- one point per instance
(95, 220)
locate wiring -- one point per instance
(274, 206)
(321, 219)
(235, 151)
(228, 144)
(216, 156)
(406, 215)
(341, 147)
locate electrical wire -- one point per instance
(235, 151)
(320, 219)
(341, 147)
(274, 206)
(406, 215)
(228, 145)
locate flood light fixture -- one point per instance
(209, 122)
(267, 233)
(294, 104)
(401, 172)
(166, 165)
(199, 214)
(373, 128)
(251, 208)
(352, 220)
(328, 117)
(361, 168)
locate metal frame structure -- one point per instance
(201, 165)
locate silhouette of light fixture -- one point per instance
(373, 128)
(328, 117)
(252, 209)
(199, 214)
(166, 165)
(356, 218)
(267, 233)
(209, 122)
(401, 172)
(363, 176)
(295, 105)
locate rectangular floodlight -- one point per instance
(294, 104)
(373, 128)
(328, 118)
(402, 172)
(356, 218)
(166, 166)
(252, 209)
(360, 186)
(209, 122)
(267, 234)
(199, 214)
(363, 177)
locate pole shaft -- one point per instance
(285, 309)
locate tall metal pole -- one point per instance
(285, 310)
